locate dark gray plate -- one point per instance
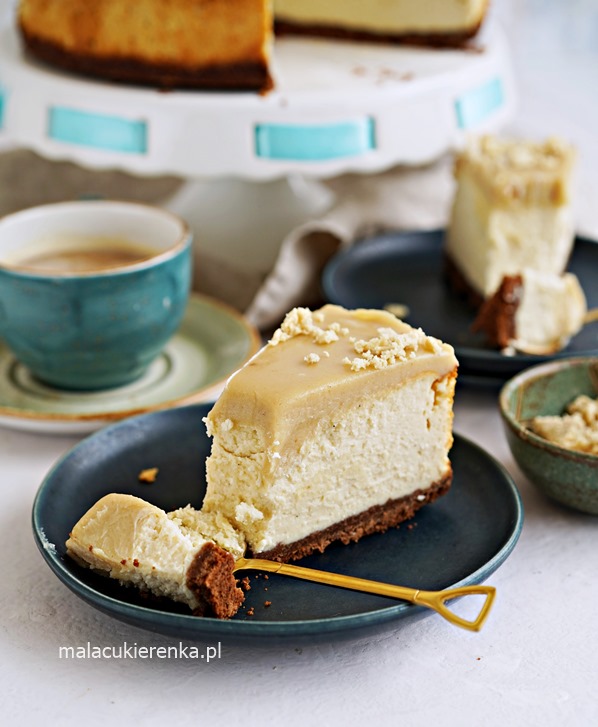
(407, 268)
(460, 539)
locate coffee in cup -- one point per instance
(85, 254)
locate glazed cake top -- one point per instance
(509, 170)
(326, 358)
(126, 527)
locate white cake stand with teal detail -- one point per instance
(337, 107)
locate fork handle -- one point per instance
(435, 600)
(591, 316)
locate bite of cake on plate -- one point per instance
(533, 312)
(140, 545)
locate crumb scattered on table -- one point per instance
(148, 475)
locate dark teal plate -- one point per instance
(407, 268)
(460, 539)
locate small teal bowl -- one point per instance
(564, 475)
(97, 329)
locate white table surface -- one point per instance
(534, 663)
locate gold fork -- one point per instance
(435, 600)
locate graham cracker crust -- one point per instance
(496, 317)
(210, 577)
(434, 40)
(376, 519)
(251, 76)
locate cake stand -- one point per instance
(337, 107)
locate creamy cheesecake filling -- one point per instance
(488, 242)
(384, 16)
(212, 526)
(344, 420)
(325, 473)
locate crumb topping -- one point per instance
(526, 171)
(390, 347)
(312, 358)
(302, 322)
(524, 155)
(577, 429)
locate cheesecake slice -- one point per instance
(164, 43)
(340, 427)
(433, 22)
(534, 312)
(511, 211)
(167, 555)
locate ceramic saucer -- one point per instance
(212, 342)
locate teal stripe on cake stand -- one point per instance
(477, 105)
(99, 131)
(317, 142)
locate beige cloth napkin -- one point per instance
(414, 198)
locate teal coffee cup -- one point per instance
(90, 292)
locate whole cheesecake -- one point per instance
(220, 44)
